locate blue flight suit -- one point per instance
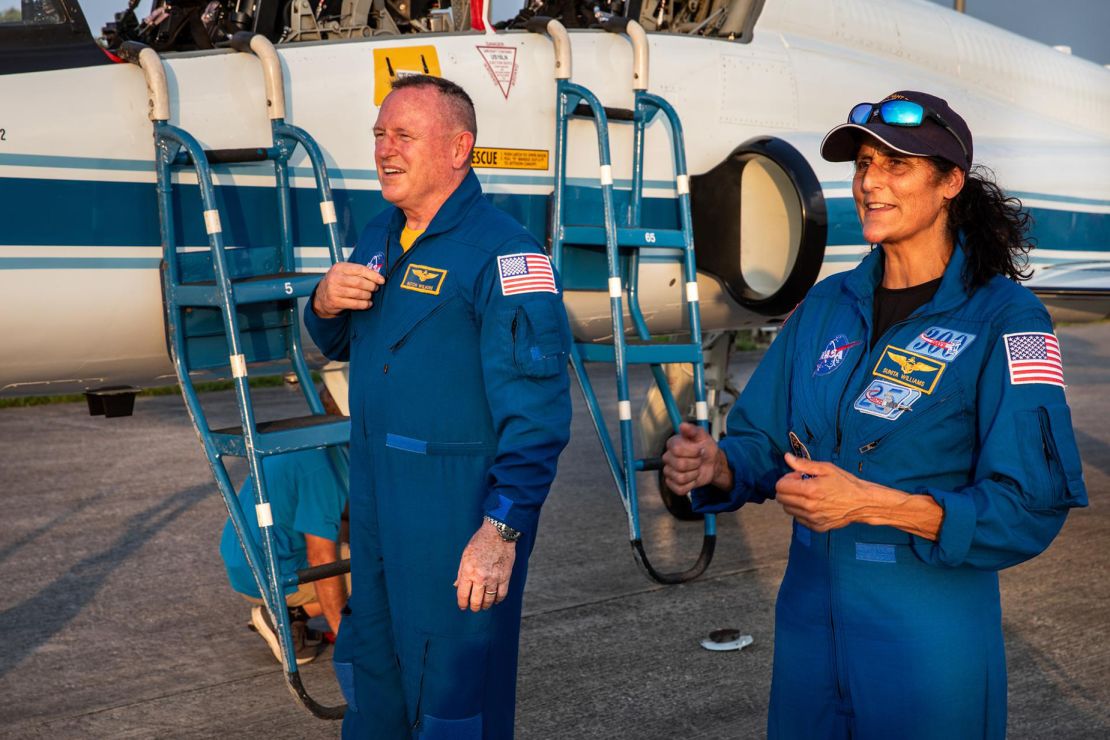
(305, 496)
(879, 633)
(460, 407)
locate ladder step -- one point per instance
(626, 237)
(224, 156)
(641, 354)
(582, 110)
(285, 435)
(257, 289)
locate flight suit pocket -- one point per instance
(408, 325)
(538, 339)
(447, 708)
(1051, 458)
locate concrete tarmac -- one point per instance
(119, 622)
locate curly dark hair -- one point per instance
(994, 225)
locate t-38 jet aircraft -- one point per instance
(754, 83)
(668, 158)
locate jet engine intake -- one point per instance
(760, 225)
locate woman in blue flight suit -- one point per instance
(927, 387)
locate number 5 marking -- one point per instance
(289, 289)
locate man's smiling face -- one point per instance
(415, 144)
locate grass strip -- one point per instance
(262, 381)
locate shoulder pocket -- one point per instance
(1051, 458)
(539, 339)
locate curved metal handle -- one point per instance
(150, 63)
(623, 26)
(559, 37)
(638, 37)
(708, 545)
(317, 709)
(255, 43)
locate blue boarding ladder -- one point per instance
(229, 308)
(623, 243)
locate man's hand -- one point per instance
(822, 496)
(485, 569)
(346, 287)
(693, 460)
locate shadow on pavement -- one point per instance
(35, 621)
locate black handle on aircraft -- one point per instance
(129, 51)
(616, 24)
(241, 41)
(329, 570)
(613, 114)
(537, 24)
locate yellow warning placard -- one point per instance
(497, 158)
(398, 61)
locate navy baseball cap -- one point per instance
(910, 122)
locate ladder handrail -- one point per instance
(248, 42)
(169, 142)
(148, 60)
(624, 465)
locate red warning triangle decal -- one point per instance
(501, 65)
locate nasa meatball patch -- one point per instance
(833, 354)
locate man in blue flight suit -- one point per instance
(454, 326)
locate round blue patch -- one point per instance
(833, 354)
(377, 262)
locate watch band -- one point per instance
(507, 533)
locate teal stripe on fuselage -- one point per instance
(1052, 228)
(87, 213)
(1020, 194)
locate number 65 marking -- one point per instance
(649, 237)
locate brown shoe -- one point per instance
(305, 650)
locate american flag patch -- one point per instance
(1034, 358)
(526, 273)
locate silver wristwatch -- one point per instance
(507, 533)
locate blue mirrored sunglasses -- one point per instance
(902, 113)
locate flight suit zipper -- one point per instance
(840, 694)
(868, 355)
(864, 449)
(833, 633)
(401, 342)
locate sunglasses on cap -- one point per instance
(902, 113)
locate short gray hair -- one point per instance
(459, 104)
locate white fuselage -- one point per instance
(79, 241)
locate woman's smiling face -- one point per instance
(900, 198)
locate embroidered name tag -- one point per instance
(423, 279)
(909, 369)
